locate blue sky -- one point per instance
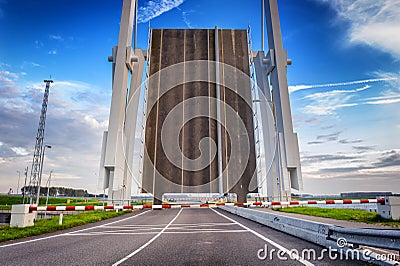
(344, 82)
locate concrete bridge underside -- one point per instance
(170, 47)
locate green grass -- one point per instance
(343, 214)
(142, 203)
(319, 198)
(43, 226)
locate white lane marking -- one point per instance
(298, 258)
(203, 232)
(195, 229)
(71, 233)
(149, 233)
(118, 221)
(151, 230)
(156, 230)
(132, 229)
(135, 226)
(113, 233)
(205, 224)
(148, 242)
(155, 225)
(161, 226)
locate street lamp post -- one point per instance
(23, 189)
(19, 177)
(40, 174)
(123, 194)
(48, 190)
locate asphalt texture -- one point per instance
(185, 236)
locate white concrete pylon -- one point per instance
(118, 141)
(287, 171)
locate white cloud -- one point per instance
(26, 64)
(326, 107)
(7, 77)
(9, 74)
(386, 101)
(155, 8)
(385, 97)
(374, 23)
(364, 81)
(52, 52)
(393, 80)
(61, 176)
(56, 37)
(323, 166)
(185, 18)
(94, 123)
(2, 65)
(20, 151)
(39, 44)
(326, 103)
(334, 93)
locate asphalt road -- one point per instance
(165, 237)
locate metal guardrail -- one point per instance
(324, 234)
(380, 238)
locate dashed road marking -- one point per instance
(148, 242)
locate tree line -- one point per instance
(57, 191)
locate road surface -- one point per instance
(185, 236)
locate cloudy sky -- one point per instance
(344, 82)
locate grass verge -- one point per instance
(343, 214)
(43, 226)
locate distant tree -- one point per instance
(58, 191)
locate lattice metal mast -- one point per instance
(38, 153)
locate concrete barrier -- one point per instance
(21, 217)
(391, 208)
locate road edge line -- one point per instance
(64, 234)
(298, 258)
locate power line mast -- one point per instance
(38, 153)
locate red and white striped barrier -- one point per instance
(146, 206)
(314, 202)
(204, 205)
